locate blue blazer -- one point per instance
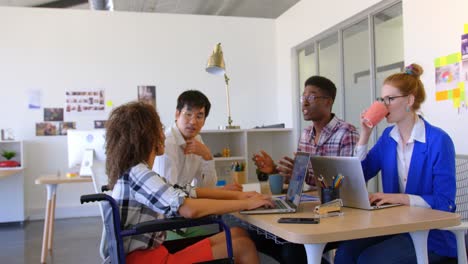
(431, 175)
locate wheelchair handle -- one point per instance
(89, 198)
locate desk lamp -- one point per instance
(216, 66)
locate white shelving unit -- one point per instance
(243, 143)
(12, 185)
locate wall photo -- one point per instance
(84, 101)
(99, 124)
(147, 94)
(53, 114)
(46, 129)
(64, 126)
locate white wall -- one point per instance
(56, 50)
(301, 22)
(432, 30)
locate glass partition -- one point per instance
(307, 60)
(329, 67)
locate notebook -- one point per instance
(353, 190)
(293, 197)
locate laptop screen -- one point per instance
(301, 162)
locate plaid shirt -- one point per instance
(337, 138)
(143, 195)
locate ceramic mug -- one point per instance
(376, 112)
(276, 183)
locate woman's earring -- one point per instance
(407, 109)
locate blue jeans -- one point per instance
(382, 250)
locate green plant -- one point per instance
(8, 154)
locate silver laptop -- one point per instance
(353, 190)
(293, 197)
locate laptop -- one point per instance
(293, 197)
(353, 191)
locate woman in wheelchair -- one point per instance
(134, 137)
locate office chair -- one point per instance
(461, 200)
(114, 233)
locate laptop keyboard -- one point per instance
(279, 204)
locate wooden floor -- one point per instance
(76, 241)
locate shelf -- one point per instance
(229, 158)
(259, 130)
(221, 131)
(244, 143)
(5, 172)
(11, 168)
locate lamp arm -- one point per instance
(226, 79)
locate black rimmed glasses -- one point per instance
(311, 98)
(388, 99)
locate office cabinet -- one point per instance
(243, 143)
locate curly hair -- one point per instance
(134, 130)
(409, 83)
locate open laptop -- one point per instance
(353, 190)
(293, 197)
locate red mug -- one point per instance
(376, 112)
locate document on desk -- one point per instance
(304, 198)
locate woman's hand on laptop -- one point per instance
(388, 198)
(248, 195)
(259, 201)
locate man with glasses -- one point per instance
(326, 136)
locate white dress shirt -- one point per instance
(404, 153)
(181, 169)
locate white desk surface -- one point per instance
(355, 223)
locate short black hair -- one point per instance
(193, 98)
(324, 84)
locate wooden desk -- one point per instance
(51, 183)
(355, 224)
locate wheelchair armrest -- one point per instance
(173, 223)
(89, 198)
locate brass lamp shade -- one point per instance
(215, 63)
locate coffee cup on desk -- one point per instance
(276, 183)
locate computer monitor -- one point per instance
(86, 148)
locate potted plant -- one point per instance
(8, 155)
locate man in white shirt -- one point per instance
(187, 160)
